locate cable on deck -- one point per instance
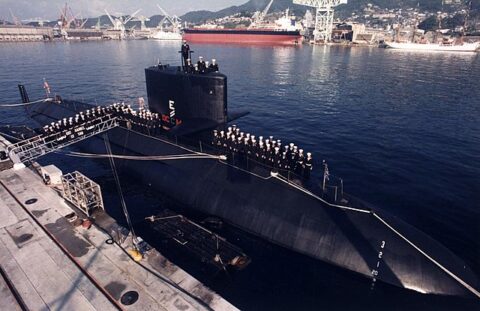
(143, 158)
(26, 104)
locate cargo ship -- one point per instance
(283, 31)
(224, 172)
(256, 36)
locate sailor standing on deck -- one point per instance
(185, 52)
(308, 165)
(213, 66)
(201, 65)
(189, 67)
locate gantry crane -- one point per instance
(323, 18)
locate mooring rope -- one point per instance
(144, 158)
(26, 104)
(119, 189)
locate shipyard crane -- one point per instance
(174, 20)
(324, 16)
(142, 19)
(258, 17)
(67, 17)
(15, 19)
(120, 22)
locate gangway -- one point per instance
(30, 149)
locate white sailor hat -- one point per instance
(309, 154)
(300, 151)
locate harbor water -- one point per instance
(402, 129)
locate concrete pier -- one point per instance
(46, 262)
(25, 33)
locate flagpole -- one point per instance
(325, 173)
(46, 87)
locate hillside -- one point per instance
(342, 10)
(251, 6)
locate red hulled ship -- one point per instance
(257, 36)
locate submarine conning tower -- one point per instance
(182, 97)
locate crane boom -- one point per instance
(167, 16)
(131, 16)
(110, 18)
(258, 17)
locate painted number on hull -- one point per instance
(377, 266)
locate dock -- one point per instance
(49, 263)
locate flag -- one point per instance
(46, 86)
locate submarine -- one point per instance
(276, 203)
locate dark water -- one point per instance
(402, 130)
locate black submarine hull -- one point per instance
(372, 243)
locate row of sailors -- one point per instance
(201, 66)
(268, 151)
(143, 120)
(82, 118)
